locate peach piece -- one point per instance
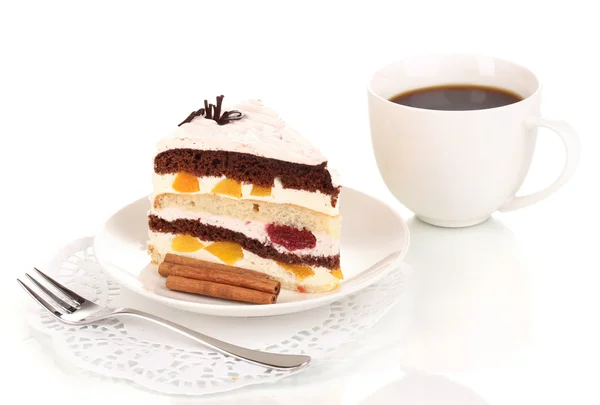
(299, 270)
(186, 183)
(337, 273)
(260, 191)
(227, 252)
(186, 243)
(228, 187)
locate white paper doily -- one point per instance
(163, 361)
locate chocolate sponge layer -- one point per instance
(219, 234)
(247, 168)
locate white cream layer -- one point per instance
(260, 132)
(322, 280)
(315, 201)
(326, 245)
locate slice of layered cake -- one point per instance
(242, 188)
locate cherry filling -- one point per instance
(291, 238)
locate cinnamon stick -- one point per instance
(217, 290)
(188, 261)
(220, 276)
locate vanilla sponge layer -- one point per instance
(321, 281)
(315, 201)
(297, 217)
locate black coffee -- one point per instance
(457, 98)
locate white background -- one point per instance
(86, 89)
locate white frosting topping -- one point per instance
(260, 132)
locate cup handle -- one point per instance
(572, 152)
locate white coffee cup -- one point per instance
(456, 168)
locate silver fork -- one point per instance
(73, 309)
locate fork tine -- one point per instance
(36, 297)
(69, 293)
(68, 308)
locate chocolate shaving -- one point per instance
(218, 108)
(207, 109)
(212, 112)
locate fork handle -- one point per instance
(266, 359)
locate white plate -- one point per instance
(374, 239)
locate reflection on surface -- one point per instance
(472, 302)
(420, 389)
